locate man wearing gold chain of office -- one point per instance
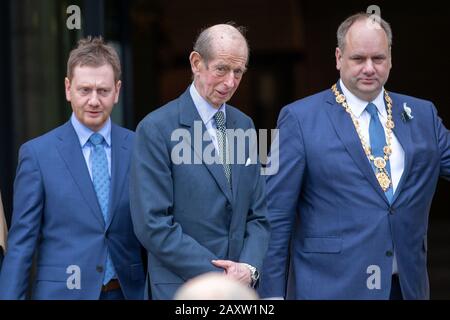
(358, 167)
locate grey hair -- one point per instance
(345, 26)
(204, 42)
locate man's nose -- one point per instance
(368, 67)
(229, 79)
(93, 100)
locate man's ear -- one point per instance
(196, 61)
(390, 59)
(118, 85)
(67, 86)
(338, 58)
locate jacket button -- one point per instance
(228, 206)
(391, 210)
(99, 269)
(389, 253)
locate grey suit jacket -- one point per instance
(185, 214)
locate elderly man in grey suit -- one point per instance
(199, 217)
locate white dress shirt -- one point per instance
(397, 158)
(207, 113)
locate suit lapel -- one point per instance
(403, 134)
(70, 150)
(188, 116)
(120, 161)
(346, 132)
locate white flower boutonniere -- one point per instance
(407, 113)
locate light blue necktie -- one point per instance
(101, 180)
(377, 142)
(219, 117)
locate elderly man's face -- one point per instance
(365, 62)
(216, 80)
(92, 93)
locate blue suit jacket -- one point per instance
(56, 212)
(186, 215)
(326, 199)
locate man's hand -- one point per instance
(235, 270)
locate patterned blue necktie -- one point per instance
(101, 180)
(377, 142)
(222, 144)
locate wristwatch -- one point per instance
(254, 274)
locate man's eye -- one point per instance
(85, 90)
(221, 70)
(378, 59)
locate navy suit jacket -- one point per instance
(185, 215)
(56, 212)
(326, 202)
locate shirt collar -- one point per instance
(84, 133)
(358, 105)
(205, 110)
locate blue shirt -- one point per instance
(84, 133)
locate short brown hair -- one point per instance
(93, 52)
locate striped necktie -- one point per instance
(222, 143)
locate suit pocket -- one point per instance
(322, 245)
(49, 273)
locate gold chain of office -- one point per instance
(379, 162)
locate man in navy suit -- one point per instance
(71, 201)
(197, 216)
(358, 167)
